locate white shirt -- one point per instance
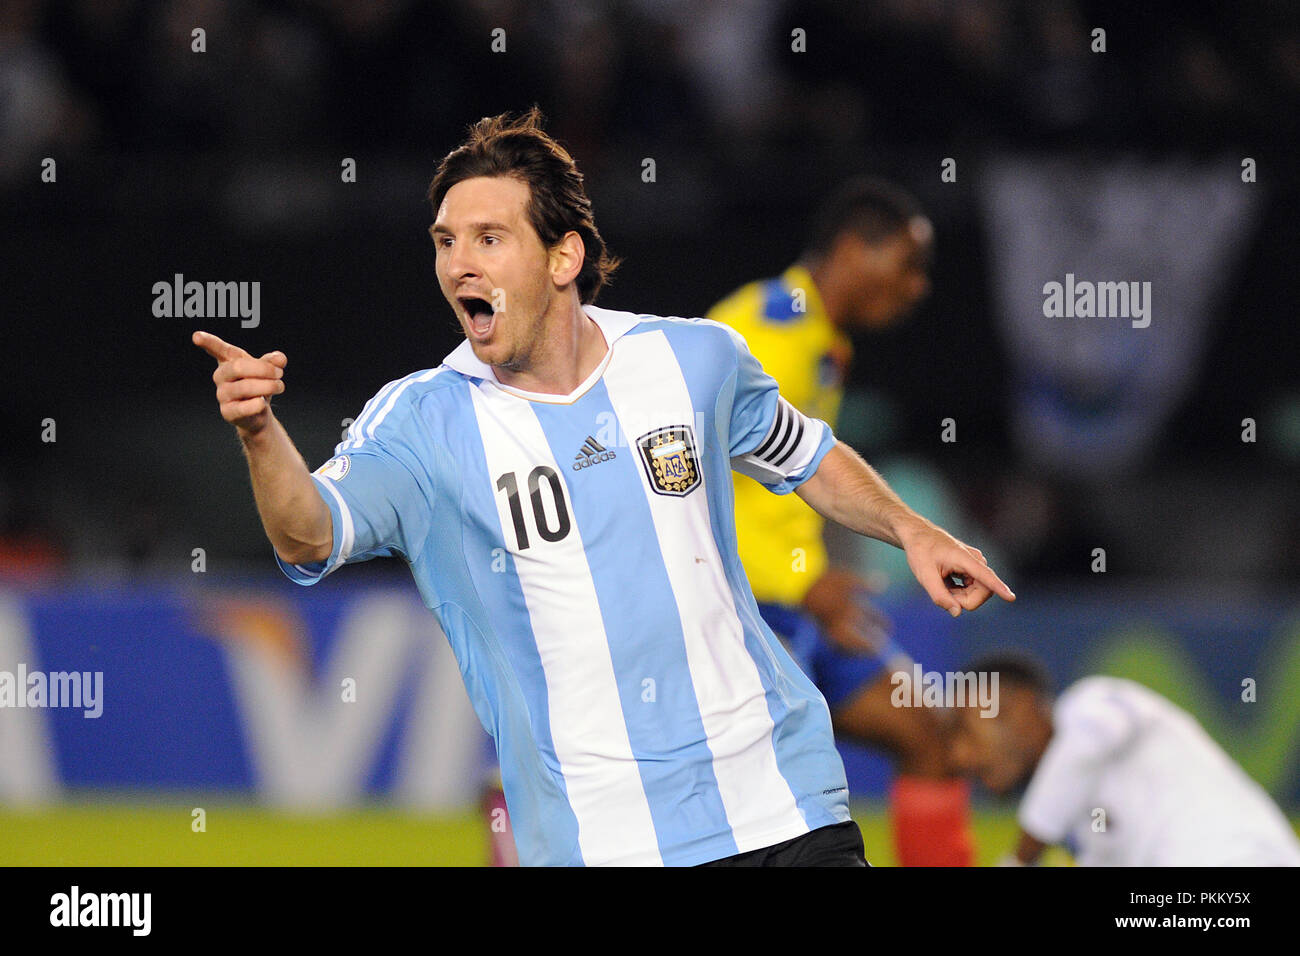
(1129, 779)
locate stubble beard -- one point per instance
(521, 357)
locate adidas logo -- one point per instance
(591, 453)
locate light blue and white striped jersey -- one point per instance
(579, 552)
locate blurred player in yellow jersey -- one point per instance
(865, 268)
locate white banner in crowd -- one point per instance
(1105, 277)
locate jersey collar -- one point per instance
(612, 325)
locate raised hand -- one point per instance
(955, 575)
(244, 384)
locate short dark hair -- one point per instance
(873, 209)
(518, 147)
(1016, 668)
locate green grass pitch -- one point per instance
(117, 833)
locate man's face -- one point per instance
(889, 277)
(493, 268)
(1001, 751)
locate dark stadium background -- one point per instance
(225, 166)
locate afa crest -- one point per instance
(670, 460)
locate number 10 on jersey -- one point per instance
(541, 520)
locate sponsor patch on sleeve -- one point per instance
(335, 468)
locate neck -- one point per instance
(833, 298)
(571, 346)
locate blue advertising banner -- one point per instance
(345, 694)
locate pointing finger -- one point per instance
(986, 577)
(220, 350)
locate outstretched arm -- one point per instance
(296, 520)
(848, 491)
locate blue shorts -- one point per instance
(837, 675)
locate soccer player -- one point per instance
(865, 268)
(1116, 774)
(560, 488)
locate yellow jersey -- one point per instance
(789, 332)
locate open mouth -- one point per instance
(478, 312)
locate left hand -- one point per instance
(935, 557)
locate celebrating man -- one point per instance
(642, 711)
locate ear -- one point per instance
(850, 251)
(565, 258)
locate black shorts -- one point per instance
(839, 844)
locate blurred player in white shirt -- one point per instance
(1116, 774)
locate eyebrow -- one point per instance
(437, 228)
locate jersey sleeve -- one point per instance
(771, 441)
(379, 504)
(1089, 726)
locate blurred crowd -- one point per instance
(279, 74)
(747, 84)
